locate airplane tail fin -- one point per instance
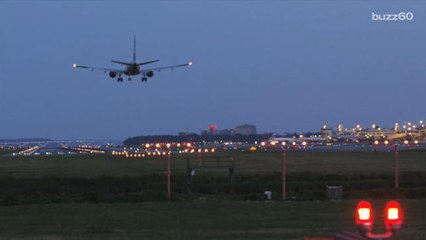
(134, 55)
(134, 48)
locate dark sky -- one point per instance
(282, 65)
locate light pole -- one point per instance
(168, 170)
(200, 163)
(284, 169)
(396, 167)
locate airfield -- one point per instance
(105, 196)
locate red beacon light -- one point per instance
(393, 215)
(364, 216)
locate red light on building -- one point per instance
(212, 128)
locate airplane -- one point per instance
(133, 68)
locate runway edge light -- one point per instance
(393, 215)
(364, 216)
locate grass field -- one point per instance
(4, 151)
(110, 197)
(200, 219)
(88, 166)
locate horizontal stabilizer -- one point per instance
(144, 63)
(122, 63)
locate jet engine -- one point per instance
(112, 74)
(150, 74)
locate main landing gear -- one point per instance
(144, 79)
(119, 79)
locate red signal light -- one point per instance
(393, 215)
(364, 217)
(364, 213)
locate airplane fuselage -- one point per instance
(132, 70)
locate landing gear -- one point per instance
(130, 79)
(144, 79)
(119, 79)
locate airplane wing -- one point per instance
(159, 69)
(105, 70)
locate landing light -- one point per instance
(74, 65)
(190, 63)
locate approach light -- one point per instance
(393, 215)
(364, 216)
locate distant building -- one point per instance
(225, 132)
(217, 132)
(326, 132)
(245, 129)
(186, 133)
